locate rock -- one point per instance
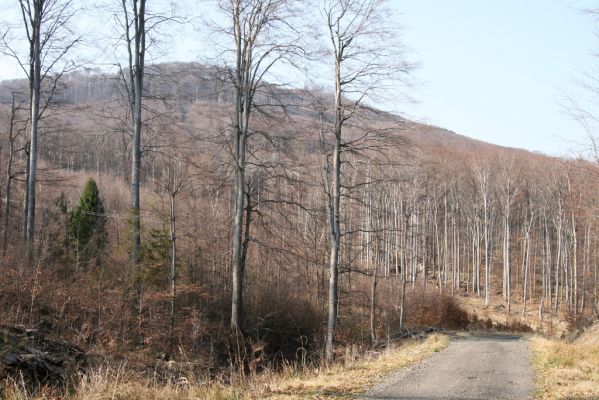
(25, 352)
(10, 359)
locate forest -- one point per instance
(211, 218)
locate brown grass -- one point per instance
(496, 312)
(344, 380)
(567, 370)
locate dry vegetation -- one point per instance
(567, 369)
(232, 275)
(352, 375)
(403, 231)
(495, 314)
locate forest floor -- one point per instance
(457, 366)
(473, 367)
(496, 311)
(351, 377)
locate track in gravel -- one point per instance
(473, 367)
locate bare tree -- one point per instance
(261, 37)
(508, 188)
(367, 60)
(173, 183)
(49, 38)
(15, 129)
(135, 31)
(482, 173)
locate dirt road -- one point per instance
(473, 367)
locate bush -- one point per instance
(433, 309)
(287, 328)
(515, 325)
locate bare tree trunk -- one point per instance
(23, 226)
(254, 56)
(558, 259)
(35, 81)
(351, 25)
(508, 266)
(402, 302)
(445, 244)
(585, 271)
(238, 267)
(137, 50)
(575, 264)
(595, 290)
(486, 248)
(335, 229)
(9, 177)
(173, 273)
(477, 254)
(526, 261)
(373, 305)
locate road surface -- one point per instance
(473, 367)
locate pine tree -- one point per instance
(87, 223)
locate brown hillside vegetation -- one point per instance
(429, 217)
(568, 370)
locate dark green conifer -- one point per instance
(88, 222)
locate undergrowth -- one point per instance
(350, 376)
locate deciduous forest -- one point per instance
(219, 220)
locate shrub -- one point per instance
(87, 223)
(287, 328)
(433, 309)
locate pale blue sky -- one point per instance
(496, 70)
(488, 69)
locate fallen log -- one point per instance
(25, 355)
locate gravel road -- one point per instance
(472, 367)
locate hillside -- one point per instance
(427, 215)
(190, 93)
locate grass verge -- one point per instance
(567, 370)
(343, 380)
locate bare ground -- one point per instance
(472, 367)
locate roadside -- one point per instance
(349, 379)
(567, 370)
(352, 376)
(496, 313)
(473, 367)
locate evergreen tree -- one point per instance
(87, 223)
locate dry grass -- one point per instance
(496, 311)
(567, 370)
(122, 384)
(345, 381)
(340, 381)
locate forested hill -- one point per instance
(425, 216)
(91, 105)
(216, 231)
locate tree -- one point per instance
(482, 176)
(87, 224)
(49, 39)
(508, 189)
(16, 127)
(367, 60)
(134, 24)
(261, 37)
(173, 183)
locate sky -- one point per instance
(491, 70)
(498, 70)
